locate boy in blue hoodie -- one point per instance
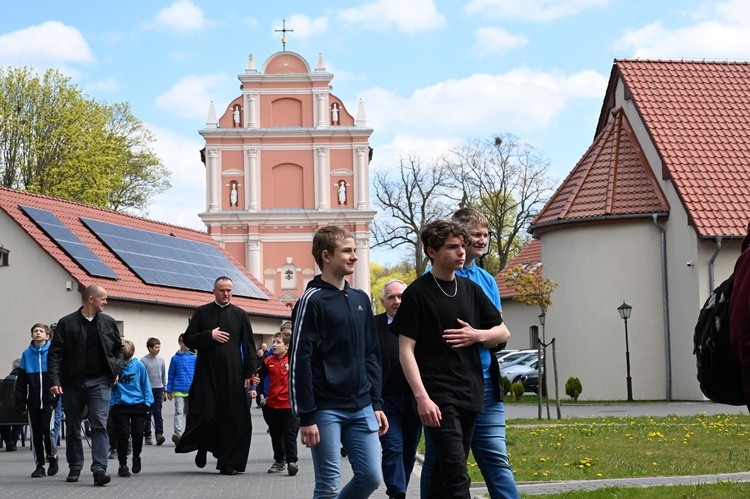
(181, 371)
(334, 371)
(34, 398)
(128, 407)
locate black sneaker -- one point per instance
(200, 458)
(136, 465)
(53, 467)
(292, 468)
(112, 454)
(38, 472)
(73, 476)
(101, 478)
(123, 471)
(10, 446)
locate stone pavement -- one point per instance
(171, 475)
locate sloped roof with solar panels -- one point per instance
(134, 258)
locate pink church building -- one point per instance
(283, 159)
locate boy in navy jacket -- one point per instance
(34, 398)
(334, 371)
(129, 407)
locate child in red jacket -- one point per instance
(277, 410)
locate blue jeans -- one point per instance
(95, 394)
(357, 431)
(155, 411)
(488, 446)
(399, 443)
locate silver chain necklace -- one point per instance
(441, 288)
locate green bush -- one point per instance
(573, 388)
(516, 389)
(506, 385)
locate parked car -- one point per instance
(516, 358)
(514, 372)
(530, 381)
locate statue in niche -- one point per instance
(236, 115)
(335, 114)
(233, 195)
(342, 191)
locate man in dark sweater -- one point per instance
(84, 361)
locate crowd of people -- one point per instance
(342, 380)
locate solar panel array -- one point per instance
(69, 242)
(170, 261)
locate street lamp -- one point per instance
(624, 311)
(541, 319)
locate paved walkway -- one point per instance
(171, 475)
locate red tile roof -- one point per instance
(611, 180)
(697, 114)
(129, 287)
(530, 255)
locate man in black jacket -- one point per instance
(84, 361)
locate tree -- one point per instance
(410, 202)
(535, 289)
(506, 179)
(54, 140)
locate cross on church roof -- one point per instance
(283, 32)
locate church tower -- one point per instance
(285, 158)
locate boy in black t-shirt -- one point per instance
(441, 321)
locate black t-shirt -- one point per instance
(450, 375)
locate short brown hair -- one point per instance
(128, 349)
(152, 342)
(325, 240)
(43, 326)
(285, 337)
(436, 233)
(470, 217)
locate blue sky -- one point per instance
(432, 73)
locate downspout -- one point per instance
(711, 265)
(665, 306)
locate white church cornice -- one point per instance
(292, 218)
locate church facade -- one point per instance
(285, 158)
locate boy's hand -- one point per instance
(256, 380)
(382, 423)
(169, 396)
(309, 436)
(164, 397)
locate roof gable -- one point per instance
(611, 180)
(530, 255)
(128, 286)
(698, 116)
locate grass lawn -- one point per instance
(712, 491)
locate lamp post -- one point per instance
(624, 311)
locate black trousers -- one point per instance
(41, 422)
(452, 440)
(128, 420)
(283, 428)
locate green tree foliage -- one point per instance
(55, 140)
(573, 388)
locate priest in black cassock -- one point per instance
(218, 419)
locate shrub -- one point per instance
(573, 388)
(506, 386)
(516, 389)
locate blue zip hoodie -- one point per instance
(334, 358)
(133, 387)
(32, 384)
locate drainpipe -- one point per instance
(665, 305)
(711, 265)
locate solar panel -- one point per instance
(69, 242)
(170, 261)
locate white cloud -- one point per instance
(407, 16)
(187, 197)
(491, 40)
(108, 85)
(190, 97)
(530, 10)
(388, 156)
(304, 27)
(182, 16)
(723, 32)
(521, 100)
(48, 44)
